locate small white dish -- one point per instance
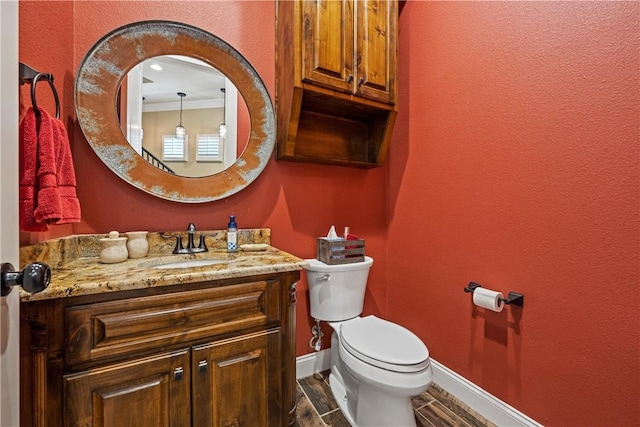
(253, 247)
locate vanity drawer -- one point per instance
(110, 329)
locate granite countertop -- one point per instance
(76, 268)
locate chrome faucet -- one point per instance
(191, 247)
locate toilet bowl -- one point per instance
(376, 365)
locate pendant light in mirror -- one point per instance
(180, 130)
(223, 127)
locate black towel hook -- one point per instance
(30, 76)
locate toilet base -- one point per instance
(368, 407)
(340, 396)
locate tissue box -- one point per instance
(339, 251)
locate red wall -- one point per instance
(515, 164)
(523, 175)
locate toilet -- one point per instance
(376, 365)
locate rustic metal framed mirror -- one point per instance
(97, 92)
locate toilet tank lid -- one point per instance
(384, 341)
(319, 266)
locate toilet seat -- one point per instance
(384, 344)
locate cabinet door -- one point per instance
(328, 35)
(149, 392)
(376, 48)
(237, 382)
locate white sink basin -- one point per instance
(191, 263)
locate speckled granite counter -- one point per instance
(76, 269)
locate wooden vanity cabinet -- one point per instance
(219, 353)
(336, 80)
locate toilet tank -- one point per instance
(336, 292)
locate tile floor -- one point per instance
(434, 407)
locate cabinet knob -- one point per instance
(202, 366)
(178, 373)
(360, 81)
(349, 78)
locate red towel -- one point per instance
(66, 179)
(29, 173)
(47, 178)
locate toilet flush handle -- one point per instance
(324, 278)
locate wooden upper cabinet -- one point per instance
(350, 46)
(376, 49)
(329, 44)
(336, 96)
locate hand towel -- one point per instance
(47, 177)
(28, 170)
(65, 176)
(48, 208)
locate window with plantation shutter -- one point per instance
(209, 148)
(174, 149)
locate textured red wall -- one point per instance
(515, 163)
(297, 201)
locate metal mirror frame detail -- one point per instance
(97, 83)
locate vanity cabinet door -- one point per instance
(147, 392)
(237, 382)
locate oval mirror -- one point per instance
(101, 77)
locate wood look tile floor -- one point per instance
(434, 407)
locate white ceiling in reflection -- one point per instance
(198, 80)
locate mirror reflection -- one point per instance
(183, 115)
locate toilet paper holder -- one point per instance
(513, 298)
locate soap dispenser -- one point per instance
(232, 235)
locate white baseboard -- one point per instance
(309, 364)
(485, 404)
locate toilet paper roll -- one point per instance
(491, 300)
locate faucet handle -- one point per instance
(191, 228)
(203, 244)
(179, 247)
